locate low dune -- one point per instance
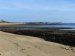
(18, 45)
(9, 24)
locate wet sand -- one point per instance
(18, 45)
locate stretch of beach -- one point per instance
(21, 45)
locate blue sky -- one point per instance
(38, 10)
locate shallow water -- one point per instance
(45, 27)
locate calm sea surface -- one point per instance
(62, 26)
(49, 26)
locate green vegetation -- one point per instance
(3, 21)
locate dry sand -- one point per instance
(17, 45)
(10, 24)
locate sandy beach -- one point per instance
(18, 45)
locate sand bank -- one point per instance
(18, 45)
